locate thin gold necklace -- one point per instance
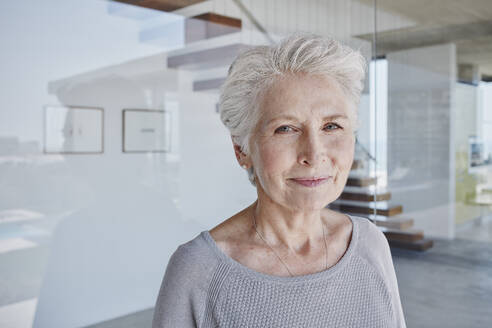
(324, 236)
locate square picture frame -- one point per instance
(146, 130)
(70, 129)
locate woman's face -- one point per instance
(303, 145)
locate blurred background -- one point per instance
(112, 152)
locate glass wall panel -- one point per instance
(438, 160)
(112, 152)
(433, 67)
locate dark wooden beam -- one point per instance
(162, 5)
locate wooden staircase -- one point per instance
(198, 53)
(358, 197)
(361, 198)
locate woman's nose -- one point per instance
(311, 150)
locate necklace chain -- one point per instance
(324, 237)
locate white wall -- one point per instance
(108, 258)
(42, 41)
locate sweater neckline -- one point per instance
(287, 279)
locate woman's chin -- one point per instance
(303, 199)
(309, 205)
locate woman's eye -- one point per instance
(331, 126)
(283, 129)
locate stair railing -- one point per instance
(253, 20)
(365, 151)
(372, 158)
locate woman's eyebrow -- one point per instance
(293, 118)
(334, 117)
(282, 117)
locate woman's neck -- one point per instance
(297, 230)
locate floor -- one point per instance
(449, 285)
(24, 252)
(140, 319)
(479, 229)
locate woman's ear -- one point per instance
(242, 158)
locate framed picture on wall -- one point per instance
(146, 130)
(73, 130)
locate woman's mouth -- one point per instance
(311, 182)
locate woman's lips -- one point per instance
(310, 182)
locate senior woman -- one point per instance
(286, 260)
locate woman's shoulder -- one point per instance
(369, 231)
(185, 286)
(373, 246)
(196, 248)
(192, 260)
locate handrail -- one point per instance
(365, 151)
(253, 20)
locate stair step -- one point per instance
(207, 58)
(219, 19)
(368, 189)
(211, 84)
(365, 196)
(162, 5)
(357, 164)
(395, 222)
(402, 235)
(210, 25)
(401, 224)
(384, 204)
(361, 181)
(381, 208)
(419, 245)
(398, 209)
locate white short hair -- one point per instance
(254, 70)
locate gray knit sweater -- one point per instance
(203, 287)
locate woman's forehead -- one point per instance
(296, 97)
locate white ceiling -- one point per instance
(467, 23)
